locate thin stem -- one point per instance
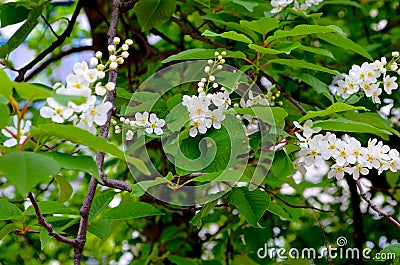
(48, 226)
(374, 207)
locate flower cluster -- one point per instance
(17, 131)
(299, 6)
(82, 82)
(206, 110)
(347, 153)
(367, 79)
(150, 122)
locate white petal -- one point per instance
(100, 119)
(57, 119)
(15, 121)
(158, 131)
(101, 91)
(46, 112)
(10, 142)
(67, 113)
(153, 118)
(149, 130)
(52, 103)
(160, 123)
(193, 132)
(104, 108)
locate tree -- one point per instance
(201, 132)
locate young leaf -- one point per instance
(344, 43)
(131, 210)
(295, 63)
(197, 220)
(344, 125)
(140, 188)
(262, 25)
(251, 204)
(8, 229)
(315, 50)
(101, 228)
(299, 30)
(334, 108)
(25, 169)
(9, 211)
(319, 86)
(50, 207)
(65, 189)
(100, 202)
(232, 35)
(282, 165)
(4, 115)
(284, 48)
(31, 92)
(21, 34)
(81, 163)
(6, 84)
(248, 5)
(44, 238)
(151, 13)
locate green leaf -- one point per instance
(334, 108)
(373, 119)
(140, 188)
(9, 211)
(44, 238)
(251, 204)
(25, 169)
(295, 63)
(78, 136)
(81, 163)
(50, 207)
(21, 34)
(319, 86)
(197, 220)
(4, 115)
(151, 13)
(345, 43)
(282, 165)
(200, 53)
(6, 84)
(277, 209)
(101, 228)
(232, 35)
(284, 48)
(65, 99)
(139, 164)
(65, 189)
(315, 50)
(262, 25)
(345, 125)
(100, 202)
(7, 229)
(248, 5)
(31, 92)
(299, 30)
(13, 14)
(131, 210)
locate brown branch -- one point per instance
(85, 209)
(126, 6)
(55, 58)
(374, 207)
(58, 42)
(290, 204)
(48, 226)
(189, 32)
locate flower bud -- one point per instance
(395, 54)
(120, 60)
(223, 53)
(116, 40)
(100, 67)
(113, 65)
(216, 54)
(125, 47)
(101, 74)
(129, 42)
(111, 48)
(212, 78)
(110, 86)
(99, 54)
(113, 58)
(94, 61)
(125, 54)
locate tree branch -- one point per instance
(374, 207)
(60, 40)
(48, 226)
(55, 58)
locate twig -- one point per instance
(48, 226)
(60, 40)
(321, 226)
(55, 58)
(285, 94)
(187, 31)
(374, 207)
(50, 27)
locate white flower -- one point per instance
(97, 114)
(216, 117)
(91, 75)
(94, 61)
(278, 5)
(77, 85)
(129, 135)
(57, 112)
(142, 119)
(155, 125)
(256, 100)
(80, 68)
(389, 84)
(337, 172)
(84, 124)
(11, 131)
(356, 170)
(311, 154)
(199, 126)
(376, 94)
